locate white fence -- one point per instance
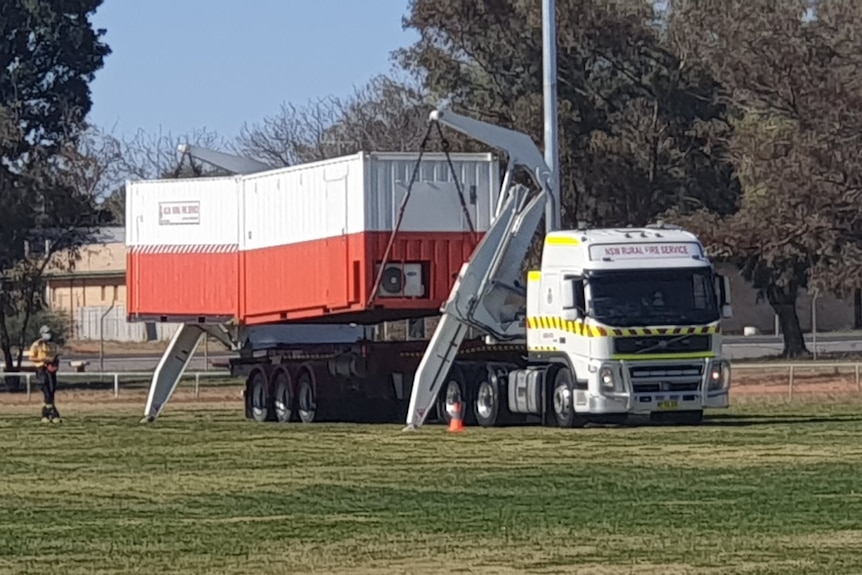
(97, 322)
(142, 378)
(30, 382)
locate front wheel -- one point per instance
(562, 400)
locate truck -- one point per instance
(614, 323)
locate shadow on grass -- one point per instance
(742, 420)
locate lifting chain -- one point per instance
(444, 143)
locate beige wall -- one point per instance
(70, 293)
(94, 258)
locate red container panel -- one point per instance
(172, 280)
(334, 277)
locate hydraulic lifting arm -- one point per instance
(231, 163)
(488, 294)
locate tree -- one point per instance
(145, 156)
(793, 77)
(635, 122)
(387, 114)
(49, 54)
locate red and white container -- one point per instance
(305, 243)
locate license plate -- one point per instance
(668, 405)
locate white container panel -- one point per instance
(302, 203)
(194, 211)
(434, 204)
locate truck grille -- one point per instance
(666, 378)
(663, 344)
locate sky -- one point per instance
(182, 65)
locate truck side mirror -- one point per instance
(723, 293)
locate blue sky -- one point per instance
(181, 65)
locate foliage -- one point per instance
(60, 324)
(794, 144)
(146, 156)
(49, 54)
(635, 126)
(388, 114)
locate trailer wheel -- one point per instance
(562, 400)
(284, 403)
(257, 397)
(487, 402)
(306, 398)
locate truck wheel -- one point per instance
(562, 400)
(455, 390)
(488, 403)
(306, 398)
(283, 396)
(257, 398)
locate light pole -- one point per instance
(552, 154)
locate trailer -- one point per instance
(615, 323)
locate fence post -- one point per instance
(197, 385)
(29, 389)
(116, 385)
(790, 387)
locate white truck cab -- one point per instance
(632, 318)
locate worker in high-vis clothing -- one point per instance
(43, 354)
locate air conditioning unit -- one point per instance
(401, 280)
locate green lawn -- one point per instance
(761, 489)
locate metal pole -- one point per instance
(553, 208)
(102, 337)
(814, 324)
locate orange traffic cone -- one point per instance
(456, 424)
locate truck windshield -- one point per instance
(653, 297)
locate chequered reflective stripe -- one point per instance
(583, 329)
(186, 249)
(542, 348)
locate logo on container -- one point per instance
(179, 213)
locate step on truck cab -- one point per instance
(625, 321)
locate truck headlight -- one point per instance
(607, 379)
(719, 376)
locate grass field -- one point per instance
(770, 487)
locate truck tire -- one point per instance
(257, 397)
(284, 397)
(306, 398)
(455, 389)
(562, 400)
(487, 404)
